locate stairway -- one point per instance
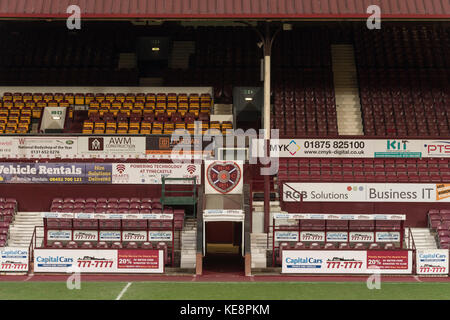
(181, 52)
(21, 230)
(260, 242)
(189, 243)
(346, 90)
(423, 238)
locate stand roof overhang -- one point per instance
(226, 9)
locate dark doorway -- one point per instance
(223, 241)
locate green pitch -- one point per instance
(224, 291)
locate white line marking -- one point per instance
(29, 277)
(123, 290)
(417, 278)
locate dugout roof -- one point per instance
(226, 9)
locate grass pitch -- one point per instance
(224, 291)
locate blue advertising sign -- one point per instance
(58, 173)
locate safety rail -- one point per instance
(31, 248)
(179, 200)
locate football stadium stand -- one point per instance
(329, 81)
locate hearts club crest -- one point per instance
(223, 176)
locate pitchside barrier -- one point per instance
(297, 230)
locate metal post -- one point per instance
(173, 241)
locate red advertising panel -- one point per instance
(138, 259)
(388, 260)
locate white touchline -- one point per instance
(123, 290)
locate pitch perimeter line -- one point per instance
(123, 291)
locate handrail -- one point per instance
(411, 238)
(31, 247)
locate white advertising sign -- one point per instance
(43, 147)
(308, 261)
(353, 148)
(312, 236)
(109, 235)
(432, 261)
(13, 259)
(365, 192)
(286, 236)
(152, 173)
(160, 236)
(325, 216)
(85, 235)
(347, 262)
(60, 235)
(136, 236)
(99, 261)
(362, 236)
(336, 236)
(383, 236)
(115, 216)
(111, 146)
(8, 147)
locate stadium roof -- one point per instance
(226, 9)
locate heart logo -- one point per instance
(223, 176)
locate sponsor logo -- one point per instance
(361, 237)
(120, 168)
(164, 143)
(438, 148)
(388, 236)
(428, 268)
(191, 168)
(223, 176)
(13, 265)
(135, 236)
(312, 236)
(303, 263)
(84, 235)
(342, 263)
(397, 145)
(54, 261)
(293, 147)
(109, 235)
(286, 236)
(93, 262)
(95, 144)
(337, 236)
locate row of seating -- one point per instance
(367, 170)
(304, 103)
(119, 99)
(116, 245)
(366, 163)
(423, 46)
(8, 208)
(136, 126)
(104, 200)
(116, 224)
(78, 77)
